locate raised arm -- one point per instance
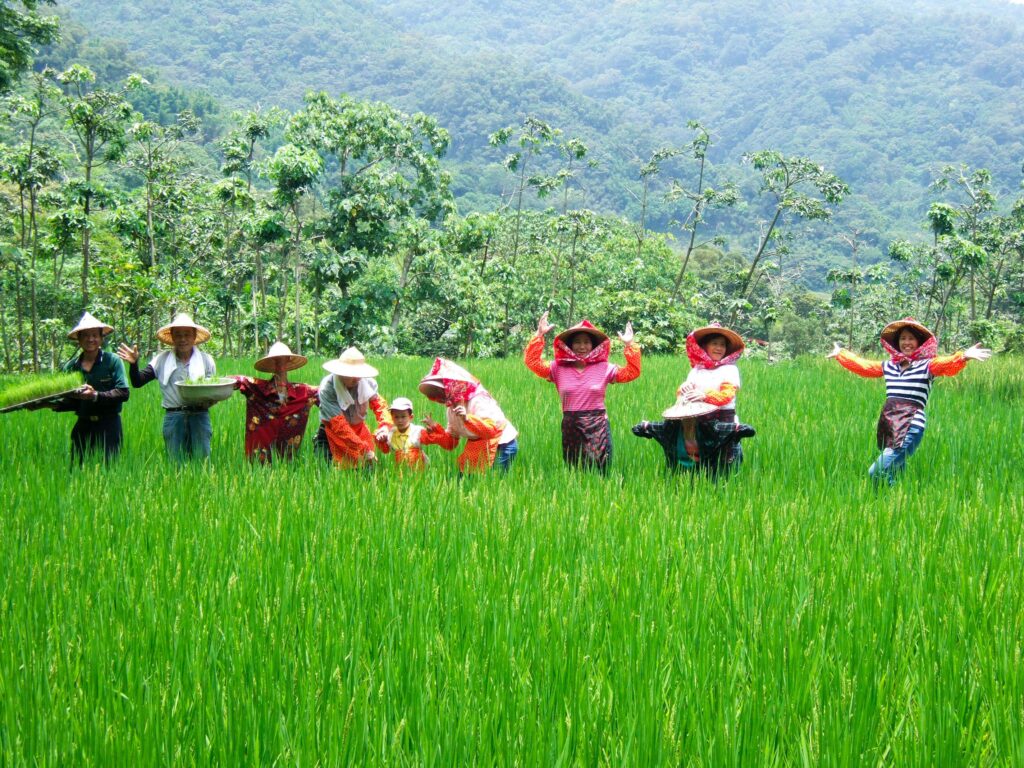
(632, 369)
(533, 355)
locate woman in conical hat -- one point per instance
(347, 392)
(186, 428)
(276, 410)
(909, 372)
(98, 403)
(472, 414)
(581, 373)
(713, 380)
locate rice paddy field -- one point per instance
(156, 614)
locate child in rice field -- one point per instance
(406, 440)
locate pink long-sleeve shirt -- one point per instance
(583, 389)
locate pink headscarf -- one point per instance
(598, 354)
(925, 351)
(699, 356)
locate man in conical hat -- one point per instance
(98, 403)
(186, 427)
(347, 392)
(276, 410)
(912, 366)
(472, 414)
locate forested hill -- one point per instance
(881, 93)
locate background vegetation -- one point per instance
(666, 166)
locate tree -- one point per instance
(21, 29)
(795, 186)
(700, 197)
(30, 166)
(98, 119)
(382, 172)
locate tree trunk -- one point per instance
(403, 282)
(85, 236)
(34, 231)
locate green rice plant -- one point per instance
(224, 613)
(33, 386)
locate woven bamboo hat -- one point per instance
(585, 326)
(88, 322)
(278, 350)
(733, 341)
(182, 320)
(683, 410)
(352, 364)
(891, 332)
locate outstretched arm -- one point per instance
(869, 369)
(951, 365)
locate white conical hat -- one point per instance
(182, 320)
(351, 363)
(279, 349)
(87, 322)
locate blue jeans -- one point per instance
(187, 433)
(892, 460)
(506, 453)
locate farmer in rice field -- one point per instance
(912, 366)
(405, 440)
(581, 373)
(98, 402)
(347, 392)
(186, 428)
(703, 431)
(276, 410)
(472, 414)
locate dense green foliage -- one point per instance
(300, 615)
(882, 94)
(343, 221)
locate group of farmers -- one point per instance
(701, 431)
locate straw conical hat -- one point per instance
(733, 341)
(87, 323)
(351, 363)
(182, 320)
(268, 363)
(584, 326)
(891, 332)
(683, 410)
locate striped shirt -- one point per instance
(913, 384)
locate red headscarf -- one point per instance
(925, 351)
(598, 354)
(458, 383)
(699, 356)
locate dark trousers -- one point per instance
(92, 433)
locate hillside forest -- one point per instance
(429, 181)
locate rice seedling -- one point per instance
(226, 613)
(33, 386)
